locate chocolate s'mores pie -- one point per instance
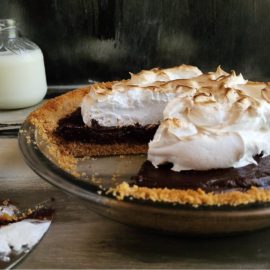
(207, 136)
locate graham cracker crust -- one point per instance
(192, 197)
(46, 118)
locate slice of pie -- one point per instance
(208, 133)
(113, 118)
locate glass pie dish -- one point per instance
(95, 179)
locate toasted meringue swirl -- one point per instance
(224, 123)
(141, 99)
(207, 121)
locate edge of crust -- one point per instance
(192, 197)
(46, 118)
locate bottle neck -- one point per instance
(12, 33)
(8, 29)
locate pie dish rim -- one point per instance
(161, 217)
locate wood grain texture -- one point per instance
(79, 238)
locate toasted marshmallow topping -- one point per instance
(224, 123)
(139, 100)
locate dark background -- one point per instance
(105, 39)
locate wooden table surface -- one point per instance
(79, 238)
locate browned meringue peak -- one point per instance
(216, 81)
(146, 77)
(217, 74)
(160, 80)
(124, 102)
(155, 79)
(265, 92)
(237, 97)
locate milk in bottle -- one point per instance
(22, 72)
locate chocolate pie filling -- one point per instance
(212, 180)
(72, 128)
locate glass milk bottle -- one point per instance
(22, 72)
